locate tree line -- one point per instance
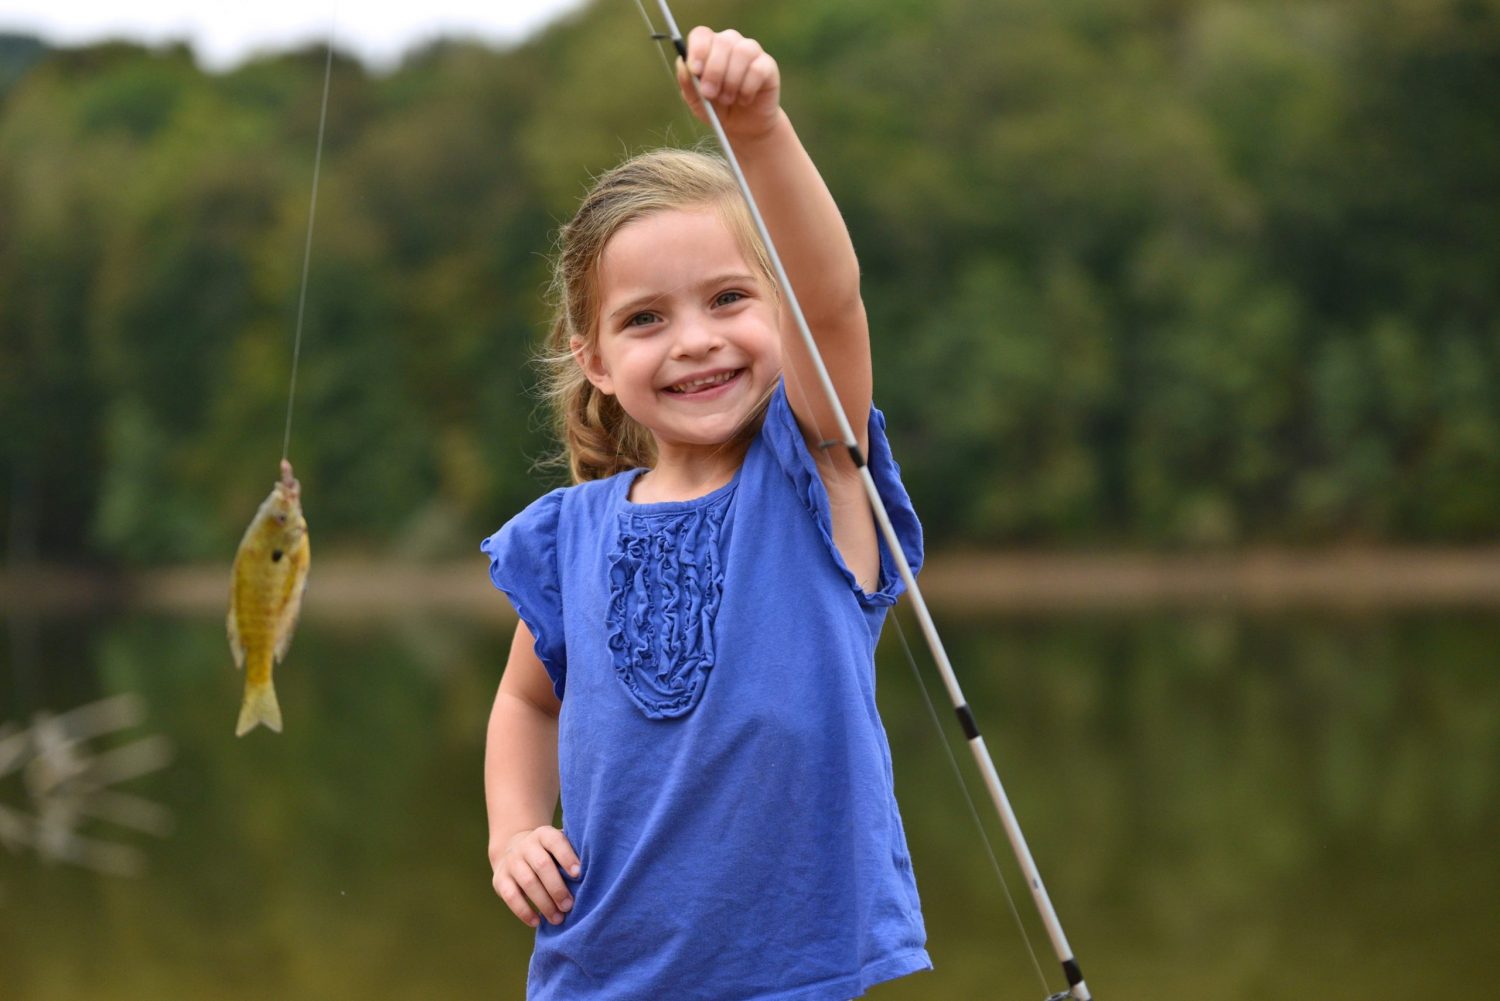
(1174, 273)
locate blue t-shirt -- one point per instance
(726, 780)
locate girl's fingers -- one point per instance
(689, 92)
(531, 885)
(716, 62)
(515, 899)
(734, 73)
(699, 41)
(546, 870)
(528, 879)
(761, 75)
(557, 843)
(741, 56)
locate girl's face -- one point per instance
(688, 339)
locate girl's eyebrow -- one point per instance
(636, 304)
(639, 302)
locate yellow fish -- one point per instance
(265, 595)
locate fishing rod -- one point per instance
(1077, 989)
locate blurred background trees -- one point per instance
(1172, 273)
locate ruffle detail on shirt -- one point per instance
(785, 439)
(523, 564)
(665, 581)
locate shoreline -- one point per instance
(957, 583)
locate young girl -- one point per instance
(694, 666)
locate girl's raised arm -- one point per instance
(744, 84)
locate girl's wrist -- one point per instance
(501, 844)
(746, 142)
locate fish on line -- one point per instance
(265, 597)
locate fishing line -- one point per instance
(1077, 988)
(963, 786)
(312, 213)
(657, 36)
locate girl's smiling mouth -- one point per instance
(699, 385)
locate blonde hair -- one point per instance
(598, 437)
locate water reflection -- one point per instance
(1216, 801)
(69, 782)
(1224, 806)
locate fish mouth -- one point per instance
(704, 382)
(288, 485)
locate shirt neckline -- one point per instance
(628, 478)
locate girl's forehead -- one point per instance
(668, 249)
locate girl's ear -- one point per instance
(593, 368)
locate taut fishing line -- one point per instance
(963, 786)
(659, 37)
(1077, 989)
(312, 213)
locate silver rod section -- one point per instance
(945, 668)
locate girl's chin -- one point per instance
(711, 433)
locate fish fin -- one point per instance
(260, 706)
(291, 600)
(233, 627)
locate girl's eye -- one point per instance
(642, 320)
(727, 298)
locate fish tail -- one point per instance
(260, 706)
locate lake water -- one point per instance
(1224, 806)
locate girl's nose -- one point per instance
(695, 338)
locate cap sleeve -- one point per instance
(523, 564)
(783, 437)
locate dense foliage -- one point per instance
(1177, 272)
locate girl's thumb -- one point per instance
(690, 90)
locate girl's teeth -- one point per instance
(714, 380)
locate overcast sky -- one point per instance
(224, 34)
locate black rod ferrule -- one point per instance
(966, 720)
(1072, 972)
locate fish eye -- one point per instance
(281, 519)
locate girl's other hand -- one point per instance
(527, 875)
(737, 75)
